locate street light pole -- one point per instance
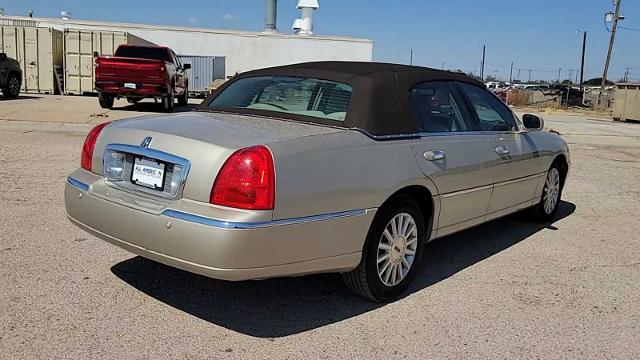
(614, 27)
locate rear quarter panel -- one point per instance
(341, 171)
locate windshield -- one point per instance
(288, 95)
(143, 53)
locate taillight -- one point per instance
(89, 143)
(247, 180)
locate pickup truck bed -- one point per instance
(138, 72)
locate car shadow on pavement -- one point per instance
(154, 107)
(286, 306)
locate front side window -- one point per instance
(492, 113)
(287, 95)
(435, 107)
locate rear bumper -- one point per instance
(222, 249)
(117, 88)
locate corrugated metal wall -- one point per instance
(38, 50)
(204, 69)
(79, 47)
(627, 102)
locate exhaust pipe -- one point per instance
(270, 16)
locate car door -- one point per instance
(515, 169)
(181, 83)
(451, 154)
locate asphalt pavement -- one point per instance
(506, 289)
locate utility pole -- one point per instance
(559, 71)
(570, 74)
(626, 74)
(519, 74)
(411, 57)
(616, 17)
(584, 47)
(442, 65)
(529, 74)
(511, 73)
(482, 63)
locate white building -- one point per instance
(243, 50)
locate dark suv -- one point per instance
(10, 76)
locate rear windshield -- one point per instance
(143, 53)
(288, 95)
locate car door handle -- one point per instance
(502, 150)
(433, 155)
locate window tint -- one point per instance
(492, 113)
(289, 95)
(435, 106)
(143, 53)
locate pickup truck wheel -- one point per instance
(391, 253)
(183, 99)
(106, 101)
(168, 102)
(12, 87)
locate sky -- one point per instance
(541, 35)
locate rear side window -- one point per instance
(492, 113)
(143, 53)
(287, 95)
(435, 106)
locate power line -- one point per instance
(628, 28)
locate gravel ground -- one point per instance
(507, 289)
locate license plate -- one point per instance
(130, 85)
(148, 173)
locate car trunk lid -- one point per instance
(205, 139)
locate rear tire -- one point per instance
(183, 100)
(547, 207)
(106, 101)
(168, 102)
(11, 89)
(396, 239)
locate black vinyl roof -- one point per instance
(379, 103)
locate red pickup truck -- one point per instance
(138, 72)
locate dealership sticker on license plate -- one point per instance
(130, 85)
(148, 173)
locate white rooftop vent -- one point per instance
(65, 15)
(304, 25)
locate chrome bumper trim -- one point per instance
(77, 184)
(260, 224)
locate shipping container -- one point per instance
(39, 52)
(626, 104)
(80, 49)
(204, 70)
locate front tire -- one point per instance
(12, 87)
(546, 209)
(106, 101)
(183, 100)
(391, 253)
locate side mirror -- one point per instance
(532, 122)
(3, 56)
(186, 66)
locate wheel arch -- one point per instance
(563, 165)
(423, 197)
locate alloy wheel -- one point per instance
(551, 190)
(397, 249)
